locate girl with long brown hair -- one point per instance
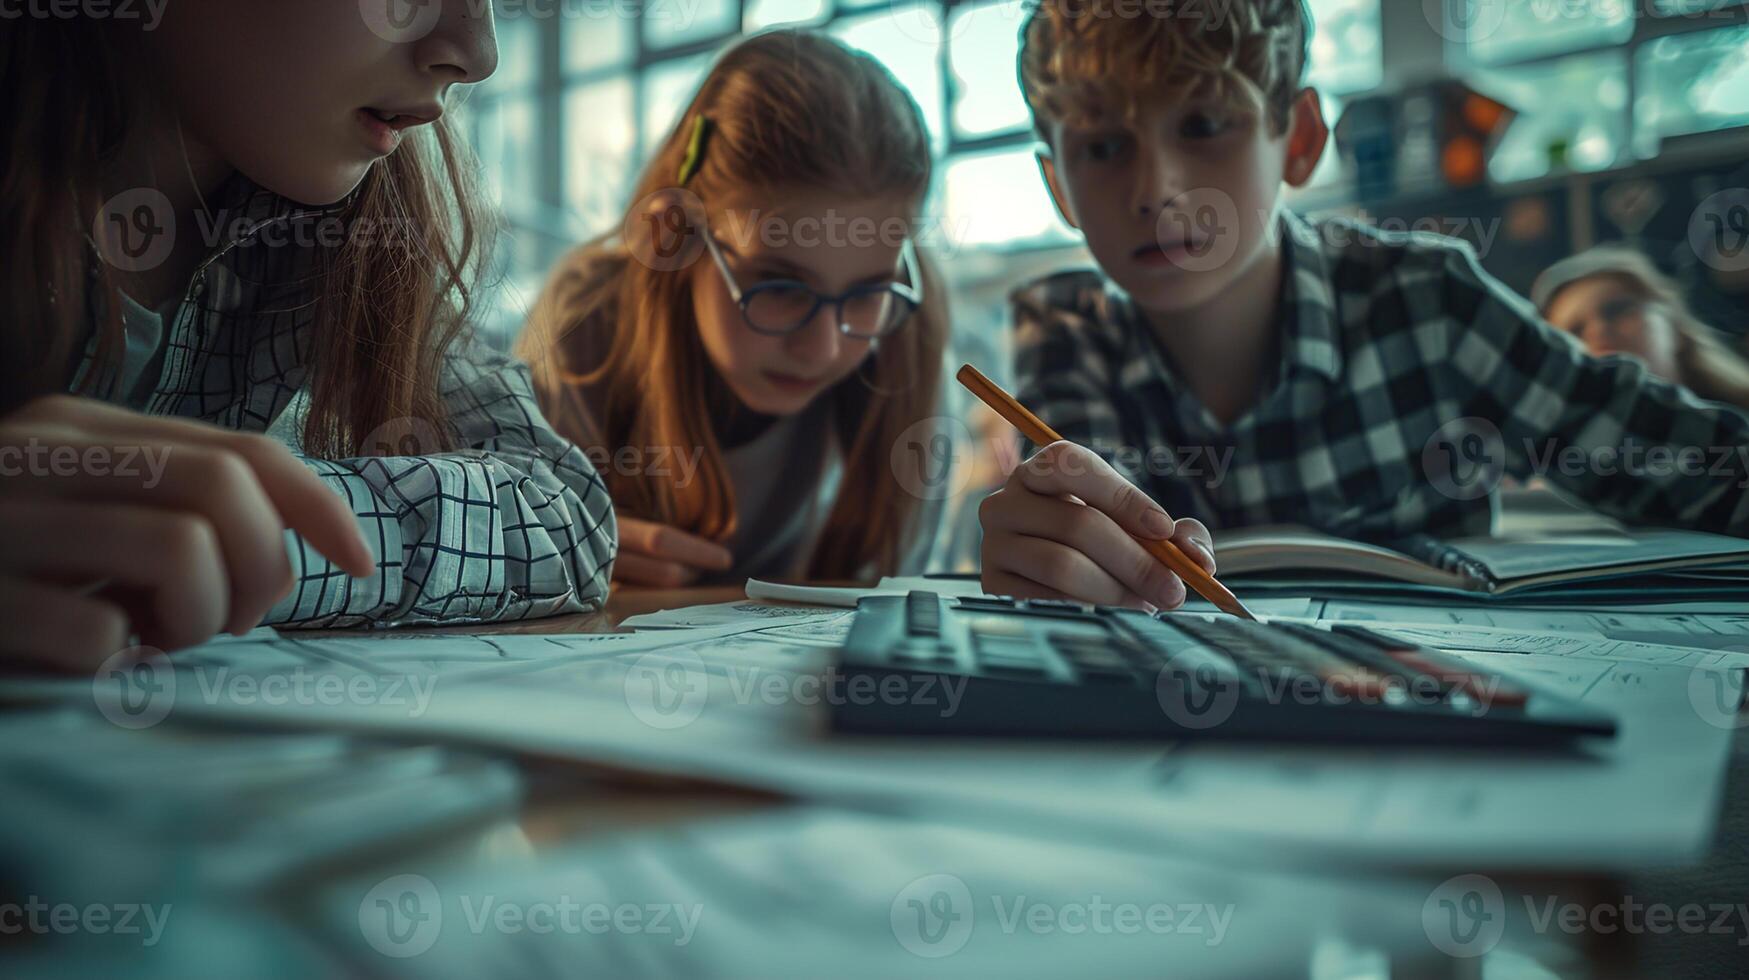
(753, 360)
(240, 250)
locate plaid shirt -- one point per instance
(1410, 382)
(516, 525)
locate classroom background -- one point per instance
(1532, 128)
(1628, 115)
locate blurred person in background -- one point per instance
(1615, 301)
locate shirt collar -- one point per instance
(1310, 338)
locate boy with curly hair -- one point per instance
(1241, 365)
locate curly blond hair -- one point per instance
(1084, 61)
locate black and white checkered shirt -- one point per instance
(517, 524)
(1410, 381)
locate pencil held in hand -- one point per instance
(1034, 428)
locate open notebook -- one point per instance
(1515, 560)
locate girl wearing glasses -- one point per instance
(753, 359)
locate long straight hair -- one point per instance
(386, 309)
(788, 110)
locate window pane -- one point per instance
(982, 45)
(598, 35)
(1583, 134)
(1347, 55)
(1683, 8)
(668, 88)
(598, 153)
(671, 22)
(907, 40)
(509, 153)
(518, 55)
(997, 198)
(770, 13)
(1692, 83)
(1507, 30)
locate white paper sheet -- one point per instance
(846, 598)
(739, 612)
(1648, 797)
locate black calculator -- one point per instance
(929, 664)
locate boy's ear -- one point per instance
(1047, 167)
(1307, 135)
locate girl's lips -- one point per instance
(379, 135)
(383, 127)
(790, 383)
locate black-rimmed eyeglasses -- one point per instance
(782, 306)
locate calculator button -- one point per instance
(1096, 661)
(1005, 647)
(924, 658)
(923, 614)
(1366, 672)
(983, 602)
(1060, 604)
(1456, 676)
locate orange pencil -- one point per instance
(1034, 428)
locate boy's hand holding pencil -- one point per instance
(1067, 526)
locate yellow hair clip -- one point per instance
(701, 128)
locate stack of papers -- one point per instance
(739, 701)
(735, 692)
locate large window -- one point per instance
(1599, 83)
(586, 89)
